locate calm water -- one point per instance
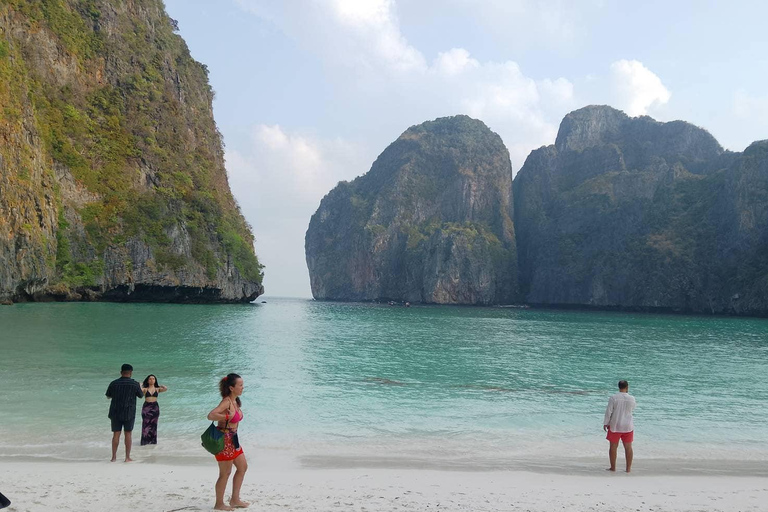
(463, 387)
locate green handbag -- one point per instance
(213, 439)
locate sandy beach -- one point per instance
(97, 486)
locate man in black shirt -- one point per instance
(122, 411)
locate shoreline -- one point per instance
(96, 486)
(537, 306)
(566, 466)
(301, 459)
(533, 306)
(587, 466)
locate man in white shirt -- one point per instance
(619, 425)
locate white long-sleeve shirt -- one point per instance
(618, 414)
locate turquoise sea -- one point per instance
(345, 384)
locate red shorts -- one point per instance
(626, 437)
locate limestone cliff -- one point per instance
(430, 222)
(112, 179)
(632, 213)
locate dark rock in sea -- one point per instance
(112, 178)
(431, 222)
(632, 213)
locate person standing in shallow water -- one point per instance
(229, 415)
(150, 412)
(619, 424)
(122, 410)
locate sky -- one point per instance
(310, 92)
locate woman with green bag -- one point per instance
(229, 415)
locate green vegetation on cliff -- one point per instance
(118, 102)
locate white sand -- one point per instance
(95, 486)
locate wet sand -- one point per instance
(334, 485)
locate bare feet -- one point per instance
(610, 469)
(221, 506)
(128, 459)
(239, 503)
(113, 459)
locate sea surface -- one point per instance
(349, 384)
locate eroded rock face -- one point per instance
(430, 222)
(112, 179)
(619, 213)
(631, 213)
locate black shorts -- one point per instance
(118, 425)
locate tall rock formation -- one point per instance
(112, 179)
(633, 213)
(430, 222)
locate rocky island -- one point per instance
(112, 178)
(632, 213)
(430, 222)
(619, 213)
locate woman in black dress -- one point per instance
(150, 412)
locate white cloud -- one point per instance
(301, 167)
(372, 26)
(361, 34)
(636, 88)
(364, 11)
(381, 76)
(379, 84)
(278, 183)
(454, 61)
(559, 90)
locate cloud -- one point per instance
(361, 34)
(303, 167)
(636, 88)
(381, 76)
(372, 25)
(376, 83)
(278, 183)
(559, 90)
(454, 62)
(293, 159)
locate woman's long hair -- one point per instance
(146, 381)
(225, 383)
